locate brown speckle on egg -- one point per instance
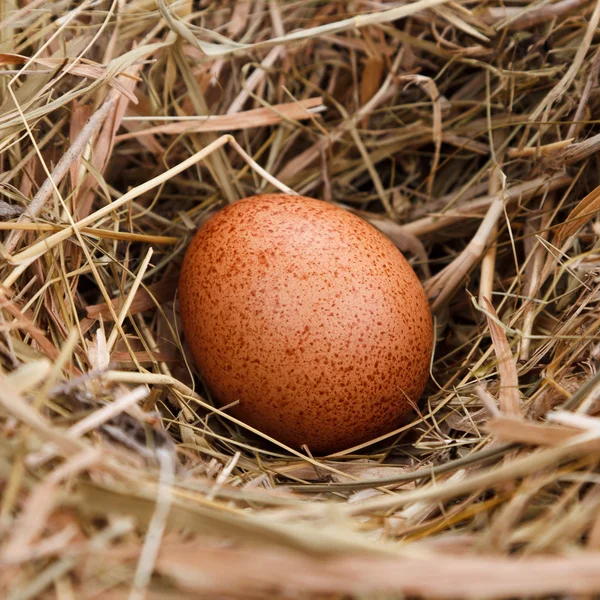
(309, 317)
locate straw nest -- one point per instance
(465, 130)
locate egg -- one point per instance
(306, 320)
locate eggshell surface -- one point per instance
(307, 317)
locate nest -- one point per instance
(466, 131)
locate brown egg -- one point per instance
(308, 317)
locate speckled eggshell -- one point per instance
(308, 317)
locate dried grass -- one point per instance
(466, 131)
